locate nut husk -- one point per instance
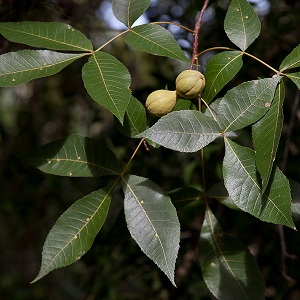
(160, 102)
(190, 84)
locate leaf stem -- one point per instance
(112, 39)
(214, 48)
(175, 24)
(262, 62)
(196, 33)
(132, 156)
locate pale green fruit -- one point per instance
(160, 102)
(190, 84)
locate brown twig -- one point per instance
(196, 33)
(284, 255)
(284, 252)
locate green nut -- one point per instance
(190, 84)
(160, 102)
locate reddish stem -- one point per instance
(196, 33)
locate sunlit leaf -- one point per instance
(107, 81)
(184, 131)
(24, 65)
(49, 35)
(292, 60)
(134, 119)
(228, 268)
(295, 77)
(74, 232)
(242, 24)
(154, 39)
(75, 156)
(219, 71)
(128, 11)
(246, 103)
(242, 184)
(266, 135)
(152, 221)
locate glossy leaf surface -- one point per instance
(292, 60)
(219, 71)
(19, 67)
(154, 39)
(107, 81)
(75, 156)
(184, 131)
(242, 24)
(74, 232)
(246, 103)
(49, 35)
(128, 11)
(241, 182)
(152, 221)
(228, 268)
(266, 135)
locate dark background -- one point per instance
(51, 108)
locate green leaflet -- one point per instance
(292, 60)
(228, 268)
(241, 182)
(266, 135)
(128, 11)
(19, 67)
(107, 81)
(74, 231)
(152, 222)
(49, 35)
(75, 156)
(242, 24)
(219, 71)
(134, 119)
(155, 39)
(184, 131)
(246, 103)
(295, 77)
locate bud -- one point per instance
(190, 84)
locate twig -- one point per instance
(284, 252)
(196, 33)
(284, 255)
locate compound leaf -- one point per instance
(128, 11)
(107, 81)
(184, 131)
(154, 39)
(219, 71)
(228, 268)
(292, 60)
(152, 222)
(49, 35)
(241, 182)
(75, 156)
(242, 24)
(74, 231)
(266, 135)
(19, 67)
(246, 103)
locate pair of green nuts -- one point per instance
(189, 85)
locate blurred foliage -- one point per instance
(53, 107)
